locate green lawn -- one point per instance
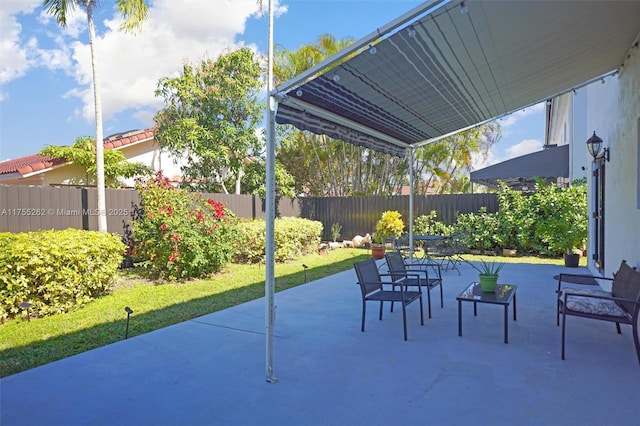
(25, 345)
(534, 260)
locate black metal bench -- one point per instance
(621, 305)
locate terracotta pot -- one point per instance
(377, 251)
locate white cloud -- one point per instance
(524, 147)
(479, 161)
(52, 59)
(18, 56)
(12, 7)
(130, 65)
(76, 21)
(511, 119)
(14, 57)
(146, 116)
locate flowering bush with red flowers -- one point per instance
(181, 235)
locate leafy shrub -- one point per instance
(389, 224)
(336, 228)
(480, 229)
(512, 218)
(181, 235)
(56, 271)
(428, 224)
(560, 217)
(551, 221)
(294, 237)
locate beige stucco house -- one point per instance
(136, 145)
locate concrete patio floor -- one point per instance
(211, 370)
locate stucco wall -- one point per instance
(146, 152)
(567, 126)
(580, 158)
(149, 153)
(69, 174)
(561, 119)
(613, 111)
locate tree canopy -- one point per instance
(210, 116)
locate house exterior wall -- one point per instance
(567, 126)
(69, 174)
(613, 111)
(149, 153)
(560, 120)
(579, 154)
(580, 158)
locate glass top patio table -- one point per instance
(429, 237)
(504, 294)
(443, 257)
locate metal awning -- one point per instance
(447, 66)
(443, 67)
(521, 172)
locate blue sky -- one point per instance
(45, 71)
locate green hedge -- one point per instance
(550, 221)
(56, 271)
(294, 237)
(428, 224)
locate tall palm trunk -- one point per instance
(102, 209)
(133, 12)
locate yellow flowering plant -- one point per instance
(390, 224)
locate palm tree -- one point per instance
(133, 12)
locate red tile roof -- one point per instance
(35, 162)
(127, 138)
(29, 164)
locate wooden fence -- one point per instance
(31, 208)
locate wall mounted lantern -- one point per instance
(594, 144)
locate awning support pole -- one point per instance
(411, 157)
(269, 282)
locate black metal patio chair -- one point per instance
(399, 268)
(371, 286)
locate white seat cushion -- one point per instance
(578, 300)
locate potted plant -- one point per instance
(389, 225)
(488, 274)
(566, 229)
(571, 237)
(377, 246)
